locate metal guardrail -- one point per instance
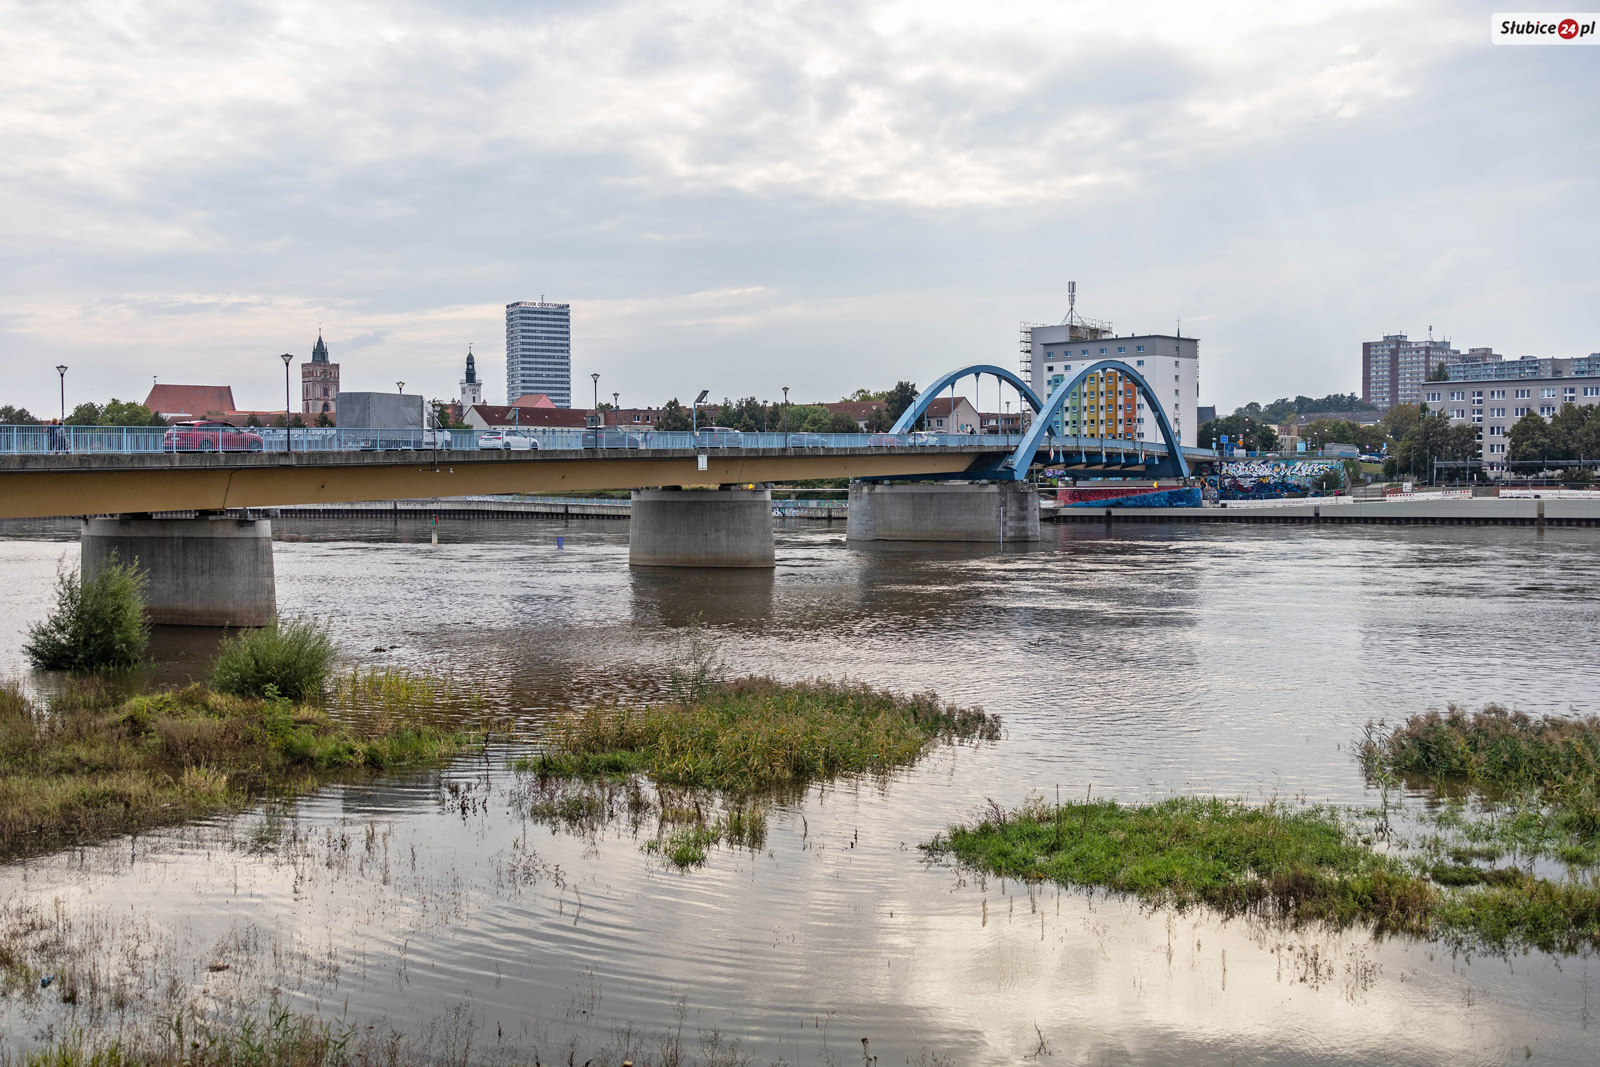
(124, 440)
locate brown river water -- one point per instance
(1134, 661)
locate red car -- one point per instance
(205, 435)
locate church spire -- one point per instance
(319, 354)
(472, 367)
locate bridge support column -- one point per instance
(700, 528)
(202, 572)
(997, 511)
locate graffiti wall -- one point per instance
(1270, 479)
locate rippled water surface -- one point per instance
(1133, 661)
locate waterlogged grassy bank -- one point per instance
(713, 757)
(757, 734)
(90, 765)
(1506, 855)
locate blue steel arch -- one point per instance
(930, 394)
(1022, 458)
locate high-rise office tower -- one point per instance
(539, 351)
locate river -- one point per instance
(1127, 661)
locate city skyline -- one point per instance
(821, 203)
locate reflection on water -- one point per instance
(1137, 661)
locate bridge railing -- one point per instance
(143, 439)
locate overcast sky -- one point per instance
(742, 196)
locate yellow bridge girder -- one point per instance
(57, 485)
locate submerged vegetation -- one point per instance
(290, 659)
(91, 764)
(1534, 782)
(97, 624)
(1296, 863)
(1473, 876)
(757, 734)
(704, 763)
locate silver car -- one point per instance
(508, 440)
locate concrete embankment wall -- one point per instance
(1479, 511)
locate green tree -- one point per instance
(85, 414)
(674, 416)
(128, 413)
(898, 399)
(1401, 419)
(1245, 431)
(1440, 373)
(842, 422)
(10, 416)
(1431, 439)
(251, 420)
(745, 415)
(867, 396)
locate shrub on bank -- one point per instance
(98, 623)
(287, 659)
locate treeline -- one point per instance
(1573, 433)
(751, 415)
(112, 413)
(1281, 409)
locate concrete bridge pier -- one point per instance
(1000, 512)
(700, 528)
(206, 571)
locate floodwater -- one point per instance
(1133, 662)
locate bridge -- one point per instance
(212, 568)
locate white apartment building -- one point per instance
(1109, 405)
(539, 351)
(1492, 406)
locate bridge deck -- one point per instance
(38, 486)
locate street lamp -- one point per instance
(694, 410)
(288, 440)
(595, 378)
(61, 369)
(786, 409)
(401, 386)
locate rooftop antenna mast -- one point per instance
(1072, 306)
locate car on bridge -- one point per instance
(612, 437)
(718, 437)
(508, 440)
(807, 440)
(210, 435)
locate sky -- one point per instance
(741, 197)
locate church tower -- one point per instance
(319, 382)
(471, 388)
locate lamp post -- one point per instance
(61, 369)
(616, 403)
(400, 387)
(595, 378)
(694, 410)
(288, 439)
(786, 409)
